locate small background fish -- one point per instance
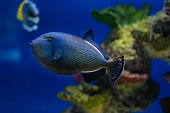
(29, 15)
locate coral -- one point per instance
(122, 98)
(135, 85)
(123, 39)
(135, 52)
(120, 41)
(146, 35)
(157, 45)
(105, 17)
(158, 48)
(121, 14)
(84, 94)
(124, 45)
(155, 41)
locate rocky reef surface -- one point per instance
(122, 98)
(157, 45)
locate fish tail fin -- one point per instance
(115, 68)
(19, 13)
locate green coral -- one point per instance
(128, 26)
(84, 94)
(105, 17)
(121, 15)
(121, 19)
(126, 23)
(124, 45)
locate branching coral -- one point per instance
(124, 45)
(121, 15)
(84, 94)
(123, 98)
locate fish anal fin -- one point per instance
(89, 77)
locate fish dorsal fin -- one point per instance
(19, 13)
(90, 39)
(89, 36)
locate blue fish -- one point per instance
(29, 15)
(66, 54)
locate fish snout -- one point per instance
(31, 44)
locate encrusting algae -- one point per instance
(122, 16)
(118, 99)
(88, 96)
(158, 46)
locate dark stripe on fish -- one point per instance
(89, 77)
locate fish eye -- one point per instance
(50, 38)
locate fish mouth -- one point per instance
(31, 44)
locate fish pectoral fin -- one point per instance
(57, 54)
(91, 76)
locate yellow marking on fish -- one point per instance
(119, 59)
(113, 77)
(112, 60)
(19, 13)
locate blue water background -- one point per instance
(27, 87)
